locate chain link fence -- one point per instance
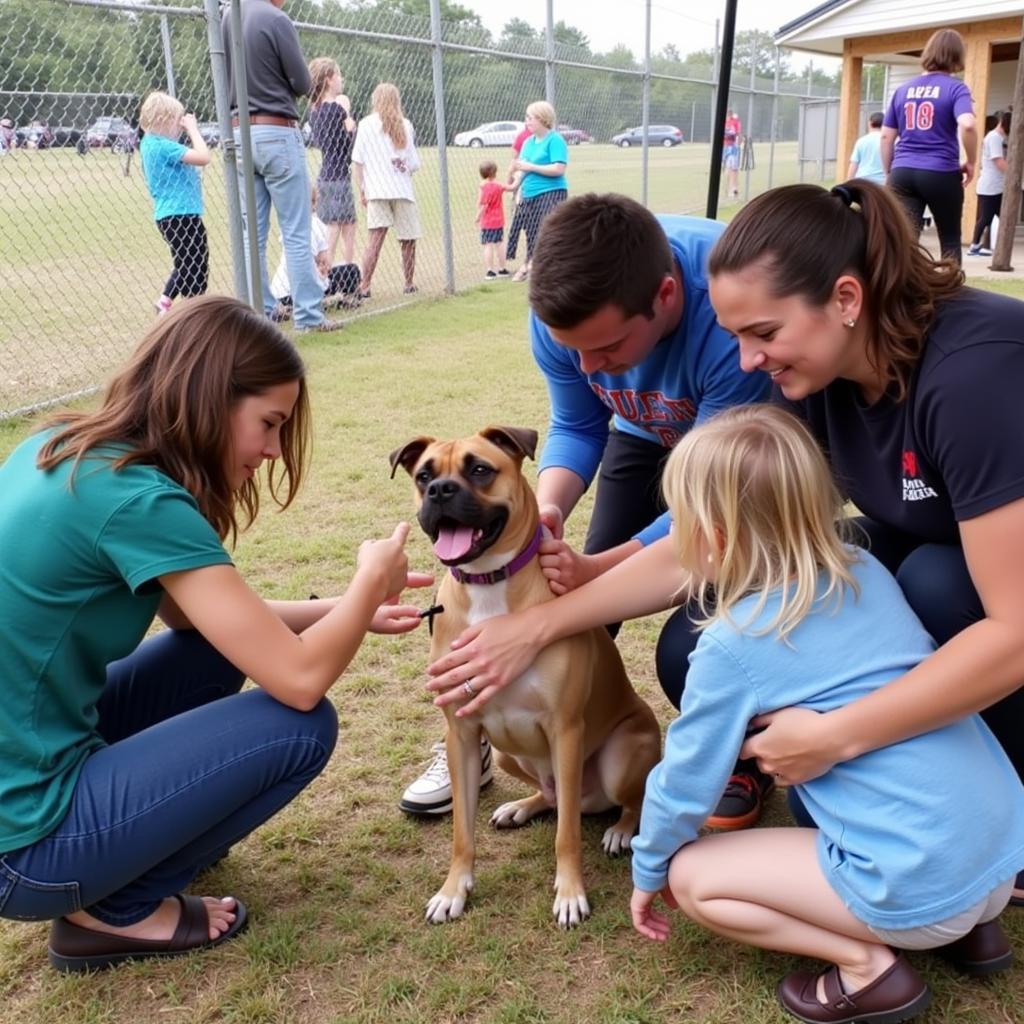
(83, 262)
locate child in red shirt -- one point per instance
(491, 218)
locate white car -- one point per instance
(494, 133)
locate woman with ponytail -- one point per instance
(911, 383)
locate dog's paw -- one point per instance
(616, 842)
(444, 906)
(514, 814)
(570, 910)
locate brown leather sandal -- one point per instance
(73, 948)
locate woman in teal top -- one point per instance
(542, 163)
(127, 765)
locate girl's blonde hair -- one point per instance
(159, 110)
(544, 112)
(387, 105)
(752, 489)
(321, 70)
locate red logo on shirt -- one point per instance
(909, 464)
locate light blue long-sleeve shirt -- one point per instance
(908, 835)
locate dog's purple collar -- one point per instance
(505, 571)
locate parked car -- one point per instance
(573, 136)
(494, 133)
(210, 131)
(115, 132)
(657, 135)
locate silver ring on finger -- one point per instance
(468, 687)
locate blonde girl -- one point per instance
(384, 160)
(793, 615)
(173, 182)
(330, 118)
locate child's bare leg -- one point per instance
(333, 231)
(348, 243)
(765, 888)
(487, 255)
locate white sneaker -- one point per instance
(431, 793)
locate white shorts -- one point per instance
(930, 936)
(401, 214)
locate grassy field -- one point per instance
(337, 883)
(82, 262)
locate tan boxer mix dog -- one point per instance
(571, 726)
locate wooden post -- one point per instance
(1009, 212)
(976, 75)
(849, 108)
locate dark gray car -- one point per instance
(657, 135)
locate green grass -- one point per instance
(82, 262)
(336, 884)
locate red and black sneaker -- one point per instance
(743, 800)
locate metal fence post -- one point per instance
(549, 54)
(437, 60)
(646, 103)
(165, 38)
(750, 114)
(252, 250)
(775, 117)
(222, 100)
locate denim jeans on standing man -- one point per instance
(282, 181)
(191, 767)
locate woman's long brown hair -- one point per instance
(170, 407)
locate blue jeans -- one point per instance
(282, 181)
(191, 767)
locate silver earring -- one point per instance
(850, 323)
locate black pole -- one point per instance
(718, 125)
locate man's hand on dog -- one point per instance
(564, 568)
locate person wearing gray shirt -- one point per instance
(276, 74)
(990, 183)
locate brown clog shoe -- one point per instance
(896, 995)
(984, 950)
(73, 948)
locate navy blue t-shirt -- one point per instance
(954, 448)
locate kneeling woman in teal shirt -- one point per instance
(127, 765)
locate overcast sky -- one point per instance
(688, 25)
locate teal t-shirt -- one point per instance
(78, 590)
(549, 150)
(175, 187)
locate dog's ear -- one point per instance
(409, 454)
(517, 441)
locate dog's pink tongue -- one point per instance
(453, 542)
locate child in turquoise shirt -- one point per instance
(173, 182)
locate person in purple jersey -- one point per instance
(927, 120)
(624, 333)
